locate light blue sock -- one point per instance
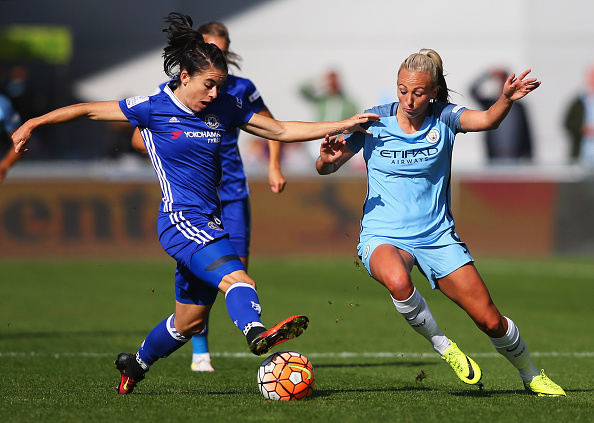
(243, 306)
(160, 342)
(200, 340)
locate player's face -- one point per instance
(220, 42)
(415, 91)
(199, 90)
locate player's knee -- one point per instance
(235, 277)
(492, 325)
(399, 285)
(191, 328)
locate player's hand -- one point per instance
(20, 138)
(332, 148)
(516, 88)
(277, 180)
(354, 123)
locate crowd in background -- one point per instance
(36, 89)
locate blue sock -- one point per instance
(243, 306)
(200, 341)
(162, 341)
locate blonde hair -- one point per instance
(429, 62)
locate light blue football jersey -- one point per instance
(185, 146)
(408, 175)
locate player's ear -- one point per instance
(434, 93)
(184, 77)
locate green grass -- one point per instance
(63, 322)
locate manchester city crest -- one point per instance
(433, 136)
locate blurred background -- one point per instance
(82, 190)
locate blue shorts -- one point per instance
(237, 218)
(435, 258)
(203, 253)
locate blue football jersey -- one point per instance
(408, 193)
(234, 185)
(9, 118)
(184, 146)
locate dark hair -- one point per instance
(217, 29)
(186, 49)
(428, 61)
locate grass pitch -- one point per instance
(62, 323)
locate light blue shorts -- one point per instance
(435, 258)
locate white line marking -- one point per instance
(404, 355)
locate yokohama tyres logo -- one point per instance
(212, 136)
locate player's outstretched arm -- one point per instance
(268, 128)
(514, 89)
(104, 111)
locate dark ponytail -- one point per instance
(186, 49)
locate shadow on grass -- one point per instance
(323, 393)
(486, 393)
(468, 392)
(330, 392)
(318, 393)
(385, 364)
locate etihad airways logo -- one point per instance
(211, 136)
(409, 156)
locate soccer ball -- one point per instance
(286, 376)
